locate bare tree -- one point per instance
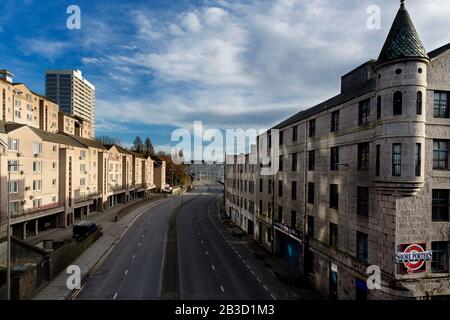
(148, 147)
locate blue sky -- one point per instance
(160, 65)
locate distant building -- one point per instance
(73, 93)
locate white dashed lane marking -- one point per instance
(115, 296)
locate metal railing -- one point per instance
(42, 208)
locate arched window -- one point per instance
(419, 103)
(398, 101)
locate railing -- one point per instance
(87, 197)
(116, 188)
(43, 208)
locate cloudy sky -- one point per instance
(162, 64)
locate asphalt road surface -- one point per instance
(208, 268)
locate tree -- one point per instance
(107, 140)
(148, 147)
(138, 146)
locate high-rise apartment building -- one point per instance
(73, 93)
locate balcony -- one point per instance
(37, 212)
(87, 197)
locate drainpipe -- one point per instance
(305, 175)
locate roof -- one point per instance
(331, 103)
(119, 148)
(403, 40)
(433, 54)
(57, 138)
(87, 142)
(137, 154)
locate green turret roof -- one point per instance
(403, 40)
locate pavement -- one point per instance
(278, 277)
(112, 234)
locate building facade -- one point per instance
(362, 180)
(72, 92)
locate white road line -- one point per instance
(139, 244)
(258, 279)
(206, 252)
(143, 235)
(221, 288)
(273, 297)
(253, 272)
(265, 288)
(134, 256)
(212, 266)
(126, 272)
(115, 296)
(248, 267)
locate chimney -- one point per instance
(6, 75)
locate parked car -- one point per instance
(167, 188)
(83, 229)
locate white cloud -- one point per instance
(46, 48)
(247, 63)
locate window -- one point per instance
(13, 186)
(310, 192)
(82, 168)
(260, 185)
(439, 264)
(280, 188)
(440, 154)
(441, 205)
(54, 182)
(364, 112)
(362, 246)
(37, 185)
(280, 163)
(54, 149)
(397, 159)
(363, 201)
(334, 159)
(293, 219)
(294, 190)
(310, 227)
(13, 145)
(281, 137)
(37, 202)
(378, 107)
(334, 196)
(311, 160)
(294, 133)
(17, 113)
(312, 128)
(294, 162)
(54, 165)
(418, 159)
(398, 103)
(83, 155)
(29, 117)
(82, 182)
(333, 236)
(14, 207)
(419, 103)
(441, 105)
(280, 214)
(378, 161)
(269, 187)
(363, 156)
(53, 198)
(335, 121)
(13, 165)
(360, 290)
(269, 140)
(37, 148)
(261, 207)
(37, 166)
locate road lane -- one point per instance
(133, 269)
(209, 268)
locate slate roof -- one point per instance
(402, 41)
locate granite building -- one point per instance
(363, 178)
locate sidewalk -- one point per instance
(100, 218)
(112, 233)
(280, 278)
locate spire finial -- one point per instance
(402, 3)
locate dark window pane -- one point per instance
(310, 192)
(441, 105)
(397, 159)
(439, 264)
(398, 103)
(334, 196)
(364, 112)
(440, 205)
(335, 121)
(440, 154)
(363, 201)
(362, 246)
(363, 156)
